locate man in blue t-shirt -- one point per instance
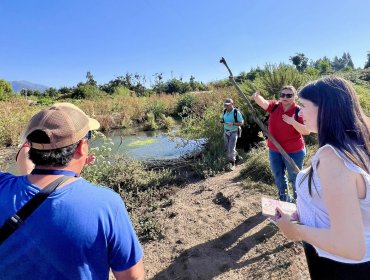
(81, 230)
(232, 120)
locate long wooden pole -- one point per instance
(259, 122)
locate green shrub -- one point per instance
(121, 91)
(176, 86)
(6, 90)
(313, 72)
(220, 84)
(365, 75)
(103, 159)
(211, 162)
(257, 166)
(311, 139)
(147, 227)
(208, 127)
(150, 123)
(127, 175)
(45, 101)
(184, 104)
(87, 91)
(310, 151)
(166, 122)
(363, 93)
(155, 107)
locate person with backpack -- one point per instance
(287, 127)
(53, 223)
(232, 119)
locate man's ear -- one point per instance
(82, 148)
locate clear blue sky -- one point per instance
(55, 42)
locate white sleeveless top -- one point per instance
(312, 211)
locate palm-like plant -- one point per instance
(273, 78)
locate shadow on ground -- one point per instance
(208, 260)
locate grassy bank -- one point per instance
(151, 112)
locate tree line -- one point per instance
(135, 84)
(318, 67)
(323, 65)
(129, 84)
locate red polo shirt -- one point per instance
(286, 135)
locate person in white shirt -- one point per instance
(334, 192)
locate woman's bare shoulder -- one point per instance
(330, 160)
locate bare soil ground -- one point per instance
(214, 230)
(7, 155)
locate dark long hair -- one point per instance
(341, 121)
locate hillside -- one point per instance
(19, 85)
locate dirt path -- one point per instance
(210, 236)
(7, 155)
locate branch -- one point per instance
(259, 122)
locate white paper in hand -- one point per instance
(269, 207)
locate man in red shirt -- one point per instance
(287, 127)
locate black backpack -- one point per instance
(297, 109)
(236, 114)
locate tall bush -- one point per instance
(5, 90)
(184, 104)
(273, 78)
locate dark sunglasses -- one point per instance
(286, 95)
(88, 135)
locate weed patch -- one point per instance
(139, 143)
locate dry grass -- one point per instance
(116, 112)
(14, 115)
(123, 111)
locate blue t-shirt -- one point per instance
(229, 117)
(79, 232)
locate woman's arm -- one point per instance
(345, 237)
(262, 102)
(301, 128)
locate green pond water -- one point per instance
(144, 145)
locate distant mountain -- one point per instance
(19, 85)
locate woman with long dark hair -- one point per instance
(334, 192)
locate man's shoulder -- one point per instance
(97, 187)
(6, 174)
(4, 177)
(237, 110)
(97, 190)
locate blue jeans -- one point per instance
(278, 167)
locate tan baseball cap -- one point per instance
(228, 101)
(64, 123)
